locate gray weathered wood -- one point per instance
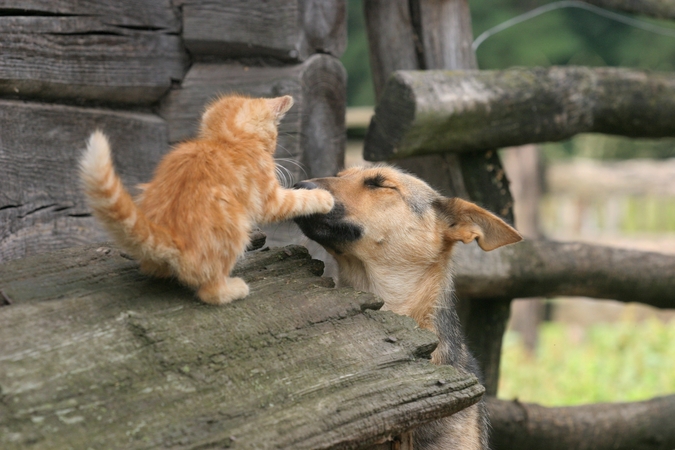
(41, 204)
(646, 425)
(95, 355)
(135, 14)
(123, 52)
(660, 9)
(548, 269)
(446, 111)
(289, 30)
(312, 132)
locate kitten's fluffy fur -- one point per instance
(193, 219)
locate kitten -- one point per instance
(193, 219)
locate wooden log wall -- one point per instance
(142, 70)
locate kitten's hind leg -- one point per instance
(223, 290)
(290, 203)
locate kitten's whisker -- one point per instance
(285, 149)
(289, 179)
(296, 163)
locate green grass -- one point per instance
(623, 361)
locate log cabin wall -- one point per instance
(142, 70)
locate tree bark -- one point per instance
(646, 425)
(659, 9)
(548, 269)
(95, 355)
(448, 111)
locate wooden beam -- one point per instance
(452, 111)
(288, 30)
(313, 131)
(41, 203)
(646, 425)
(659, 9)
(549, 269)
(96, 355)
(119, 52)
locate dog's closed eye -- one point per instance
(378, 181)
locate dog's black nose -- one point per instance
(305, 185)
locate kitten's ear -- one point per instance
(467, 222)
(280, 105)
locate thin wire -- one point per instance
(572, 4)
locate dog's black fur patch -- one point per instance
(331, 230)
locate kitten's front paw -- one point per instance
(325, 201)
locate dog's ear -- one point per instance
(467, 222)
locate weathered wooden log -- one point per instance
(288, 30)
(660, 9)
(548, 269)
(95, 355)
(646, 425)
(448, 111)
(126, 51)
(42, 207)
(312, 132)
(432, 34)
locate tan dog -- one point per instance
(392, 234)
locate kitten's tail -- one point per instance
(115, 208)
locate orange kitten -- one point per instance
(193, 219)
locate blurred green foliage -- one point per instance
(561, 37)
(608, 362)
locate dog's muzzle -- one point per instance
(331, 230)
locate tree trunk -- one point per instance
(524, 168)
(424, 112)
(646, 425)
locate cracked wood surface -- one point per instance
(42, 207)
(95, 355)
(126, 51)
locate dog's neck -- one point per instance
(414, 292)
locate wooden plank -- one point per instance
(136, 14)
(120, 52)
(450, 111)
(313, 131)
(41, 204)
(94, 355)
(288, 30)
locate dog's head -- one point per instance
(384, 212)
(392, 234)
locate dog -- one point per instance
(392, 234)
